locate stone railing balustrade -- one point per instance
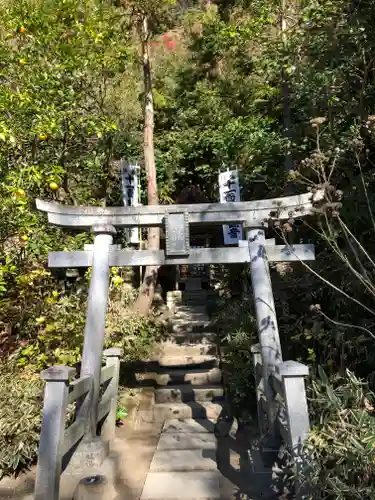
(56, 441)
(292, 422)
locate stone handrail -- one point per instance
(56, 440)
(292, 422)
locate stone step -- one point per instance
(201, 309)
(198, 361)
(183, 460)
(193, 302)
(171, 349)
(165, 411)
(196, 485)
(189, 426)
(177, 376)
(186, 327)
(190, 294)
(186, 441)
(193, 338)
(186, 393)
(187, 319)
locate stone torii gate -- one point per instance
(176, 219)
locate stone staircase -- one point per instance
(188, 399)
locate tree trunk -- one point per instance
(144, 301)
(285, 90)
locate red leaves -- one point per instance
(167, 42)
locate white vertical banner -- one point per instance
(229, 188)
(130, 192)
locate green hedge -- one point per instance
(21, 400)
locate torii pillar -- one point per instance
(95, 321)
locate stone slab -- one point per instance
(176, 376)
(171, 349)
(186, 393)
(185, 360)
(193, 338)
(188, 426)
(195, 410)
(183, 460)
(197, 485)
(186, 441)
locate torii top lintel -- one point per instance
(251, 213)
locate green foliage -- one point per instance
(46, 321)
(135, 334)
(341, 448)
(236, 327)
(21, 400)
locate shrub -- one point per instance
(236, 327)
(341, 447)
(135, 334)
(20, 419)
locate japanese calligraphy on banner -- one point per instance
(130, 187)
(229, 189)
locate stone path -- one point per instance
(184, 464)
(197, 456)
(188, 398)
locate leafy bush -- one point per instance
(235, 324)
(133, 333)
(341, 447)
(20, 419)
(44, 322)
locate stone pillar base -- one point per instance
(95, 488)
(88, 455)
(90, 474)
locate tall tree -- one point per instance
(151, 19)
(147, 291)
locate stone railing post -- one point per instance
(113, 356)
(293, 377)
(47, 483)
(268, 332)
(95, 323)
(259, 387)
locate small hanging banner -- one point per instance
(130, 187)
(229, 189)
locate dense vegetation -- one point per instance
(283, 90)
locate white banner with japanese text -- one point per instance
(229, 189)
(130, 188)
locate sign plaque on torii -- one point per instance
(176, 219)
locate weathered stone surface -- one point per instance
(88, 455)
(163, 412)
(183, 460)
(194, 338)
(197, 485)
(177, 376)
(184, 360)
(186, 441)
(186, 393)
(188, 426)
(170, 349)
(95, 488)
